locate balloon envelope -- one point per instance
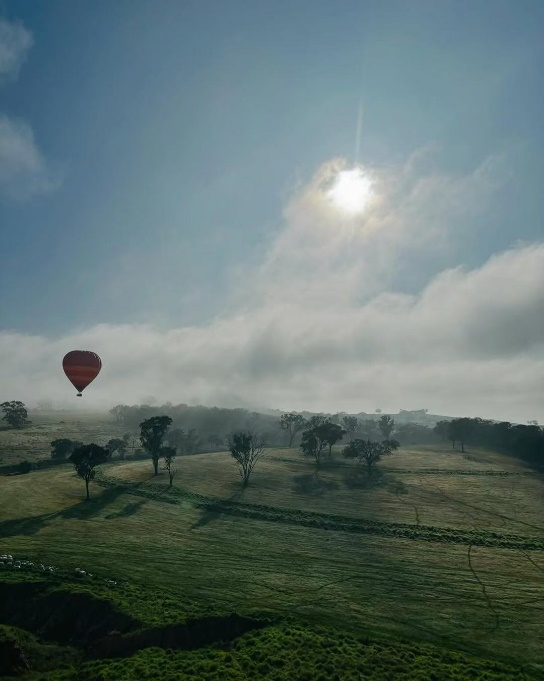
(81, 367)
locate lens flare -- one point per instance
(351, 191)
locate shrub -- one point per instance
(24, 467)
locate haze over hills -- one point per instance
(321, 216)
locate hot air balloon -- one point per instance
(81, 367)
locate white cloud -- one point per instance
(24, 172)
(15, 42)
(320, 328)
(471, 342)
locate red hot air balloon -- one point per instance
(81, 367)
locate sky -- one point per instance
(167, 175)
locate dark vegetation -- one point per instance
(152, 433)
(525, 442)
(53, 628)
(15, 414)
(85, 459)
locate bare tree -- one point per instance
(246, 449)
(169, 456)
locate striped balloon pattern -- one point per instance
(81, 367)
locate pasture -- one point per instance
(442, 548)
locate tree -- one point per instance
(368, 452)
(85, 459)
(441, 429)
(176, 438)
(246, 449)
(332, 434)
(192, 441)
(369, 429)
(215, 440)
(15, 414)
(386, 424)
(350, 423)
(460, 429)
(315, 421)
(313, 443)
(117, 445)
(62, 447)
(152, 434)
(169, 456)
(293, 423)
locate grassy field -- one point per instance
(34, 443)
(420, 556)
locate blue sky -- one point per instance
(156, 157)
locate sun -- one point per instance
(351, 191)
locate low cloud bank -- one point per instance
(320, 324)
(470, 343)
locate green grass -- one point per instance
(287, 546)
(32, 443)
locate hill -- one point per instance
(433, 568)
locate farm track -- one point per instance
(324, 521)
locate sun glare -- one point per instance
(351, 191)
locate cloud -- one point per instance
(24, 172)
(15, 42)
(319, 326)
(471, 342)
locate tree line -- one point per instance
(525, 442)
(369, 439)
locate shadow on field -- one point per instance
(358, 478)
(313, 485)
(88, 509)
(211, 514)
(81, 511)
(128, 510)
(24, 526)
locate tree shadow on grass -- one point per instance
(215, 512)
(91, 507)
(313, 485)
(358, 478)
(24, 526)
(81, 511)
(128, 510)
